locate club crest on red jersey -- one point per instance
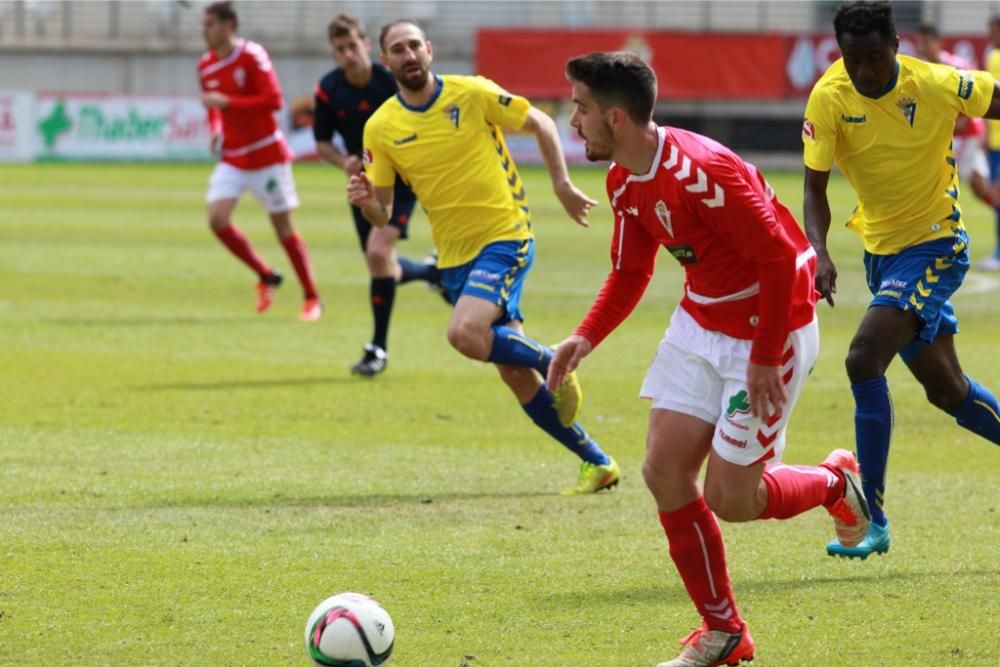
(240, 76)
(663, 215)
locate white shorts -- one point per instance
(703, 373)
(273, 186)
(970, 157)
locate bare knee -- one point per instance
(670, 484)
(218, 219)
(380, 259)
(863, 361)
(282, 223)
(654, 476)
(469, 338)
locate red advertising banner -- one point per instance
(688, 65)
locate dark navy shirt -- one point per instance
(344, 109)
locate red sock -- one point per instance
(239, 245)
(299, 257)
(700, 556)
(792, 490)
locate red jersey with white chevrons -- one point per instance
(251, 137)
(748, 266)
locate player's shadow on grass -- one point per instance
(348, 502)
(244, 384)
(156, 321)
(745, 588)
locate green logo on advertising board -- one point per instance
(55, 124)
(93, 123)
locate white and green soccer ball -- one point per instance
(349, 630)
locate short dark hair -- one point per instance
(343, 25)
(392, 24)
(927, 30)
(223, 11)
(618, 78)
(863, 17)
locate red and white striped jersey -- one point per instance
(749, 268)
(251, 137)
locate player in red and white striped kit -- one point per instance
(969, 142)
(738, 349)
(241, 92)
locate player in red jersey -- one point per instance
(738, 349)
(969, 140)
(241, 92)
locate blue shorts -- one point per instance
(921, 279)
(496, 275)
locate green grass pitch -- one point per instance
(182, 480)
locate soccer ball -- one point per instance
(349, 630)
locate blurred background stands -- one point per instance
(149, 47)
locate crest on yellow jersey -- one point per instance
(452, 111)
(908, 106)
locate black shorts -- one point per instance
(403, 201)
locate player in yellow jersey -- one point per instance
(887, 121)
(992, 263)
(444, 136)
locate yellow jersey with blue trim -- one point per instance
(993, 67)
(895, 149)
(452, 153)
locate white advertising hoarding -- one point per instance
(524, 148)
(17, 114)
(104, 127)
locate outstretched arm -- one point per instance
(619, 296)
(576, 203)
(633, 259)
(817, 214)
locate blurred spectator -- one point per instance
(970, 133)
(992, 263)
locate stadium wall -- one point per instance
(756, 59)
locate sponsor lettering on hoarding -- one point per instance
(94, 127)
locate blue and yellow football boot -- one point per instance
(876, 541)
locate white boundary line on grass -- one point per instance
(978, 283)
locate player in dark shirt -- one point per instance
(345, 99)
